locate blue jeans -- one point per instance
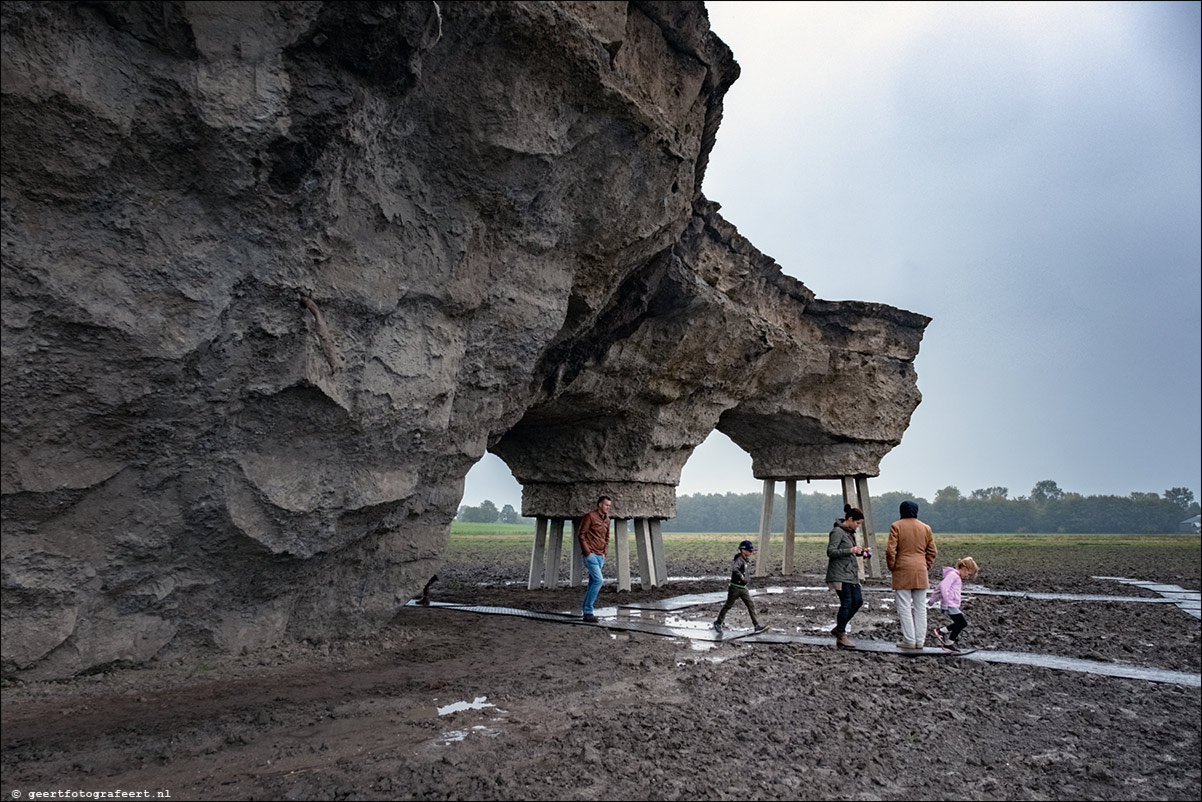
(592, 564)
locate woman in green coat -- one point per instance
(843, 573)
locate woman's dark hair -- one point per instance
(852, 513)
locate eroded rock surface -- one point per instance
(721, 339)
(276, 274)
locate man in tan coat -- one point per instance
(909, 557)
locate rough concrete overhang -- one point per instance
(712, 334)
(276, 274)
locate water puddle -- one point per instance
(480, 703)
(678, 602)
(458, 736)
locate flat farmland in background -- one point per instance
(1008, 560)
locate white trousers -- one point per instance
(912, 612)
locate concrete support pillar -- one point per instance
(623, 548)
(876, 561)
(850, 495)
(657, 552)
(790, 523)
(554, 549)
(576, 569)
(538, 554)
(849, 491)
(761, 563)
(642, 541)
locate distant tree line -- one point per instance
(990, 509)
(487, 513)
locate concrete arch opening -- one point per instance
(718, 465)
(491, 480)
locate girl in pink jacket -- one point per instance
(947, 596)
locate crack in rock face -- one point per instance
(277, 274)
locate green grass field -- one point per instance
(510, 544)
(475, 530)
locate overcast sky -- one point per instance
(1025, 174)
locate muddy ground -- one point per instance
(580, 712)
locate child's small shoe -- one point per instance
(951, 646)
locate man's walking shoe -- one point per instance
(905, 644)
(589, 618)
(717, 627)
(844, 642)
(759, 628)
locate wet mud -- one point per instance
(446, 704)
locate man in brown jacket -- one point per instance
(594, 543)
(909, 557)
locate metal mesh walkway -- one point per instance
(616, 618)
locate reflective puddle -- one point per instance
(480, 703)
(457, 736)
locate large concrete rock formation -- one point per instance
(711, 334)
(275, 275)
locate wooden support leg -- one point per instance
(657, 551)
(576, 571)
(554, 547)
(761, 562)
(623, 548)
(538, 555)
(646, 560)
(874, 562)
(790, 522)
